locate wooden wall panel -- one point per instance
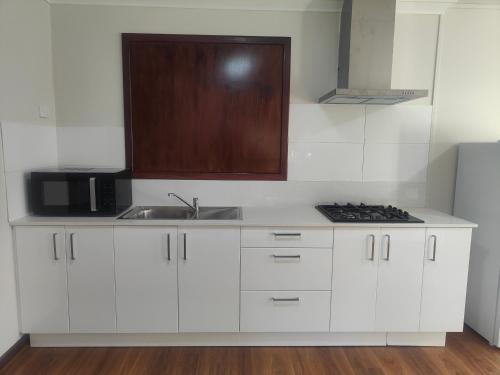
(206, 107)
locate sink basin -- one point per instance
(181, 213)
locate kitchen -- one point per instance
(292, 275)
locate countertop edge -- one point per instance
(256, 217)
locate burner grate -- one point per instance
(362, 213)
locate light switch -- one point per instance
(43, 111)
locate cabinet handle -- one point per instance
(93, 201)
(434, 248)
(185, 246)
(287, 234)
(286, 256)
(388, 241)
(72, 246)
(372, 256)
(296, 299)
(54, 245)
(168, 247)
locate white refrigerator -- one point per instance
(477, 198)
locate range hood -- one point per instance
(365, 56)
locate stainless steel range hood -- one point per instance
(365, 56)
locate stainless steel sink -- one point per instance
(182, 213)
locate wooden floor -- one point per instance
(465, 353)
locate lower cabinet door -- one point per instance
(209, 279)
(399, 289)
(43, 292)
(446, 263)
(285, 311)
(91, 279)
(354, 286)
(146, 279)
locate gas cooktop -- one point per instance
(362, 213)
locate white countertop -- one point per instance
(292, 216)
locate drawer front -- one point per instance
(285, 311)
(286, 269)
(286, 237)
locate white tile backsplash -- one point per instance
(17, 194)
(91, 146)
(28, 146)
(315, 161)
(25, 147)
(398, 124)
(396, 162)
(333, 156)
(327, 123)
(277, 193)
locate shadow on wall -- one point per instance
(441, 178)
(315, 58)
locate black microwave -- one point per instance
(80, 192)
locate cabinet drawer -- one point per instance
(285, 311)
(286, 269)
(286, 237)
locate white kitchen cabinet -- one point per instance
(446, 264)
(377, 279)
(285, 311)
(43, 292)
(354, 285)
(399, 286)
(91, 279)
(209, 275)
(286, 269)
(146, 279)
(287, 237)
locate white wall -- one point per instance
(9, 331)
(466, 107)
(26, 83)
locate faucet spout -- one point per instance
(194, 207)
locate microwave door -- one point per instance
(80, 194)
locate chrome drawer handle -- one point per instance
(388, 237)
(372, 256)
(54, 245)
(434, 248)
(287, 234)
(185, 246)
(286, 256)
(296, 299)
(168, 247)
(72, 246)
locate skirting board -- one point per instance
(235, 339)
(416, 339)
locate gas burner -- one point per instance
(363, 213)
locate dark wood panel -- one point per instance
(465, 353)
(210, 107)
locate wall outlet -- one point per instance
(43, 111)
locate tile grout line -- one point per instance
(364, 146)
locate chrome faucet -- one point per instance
(195, 207)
